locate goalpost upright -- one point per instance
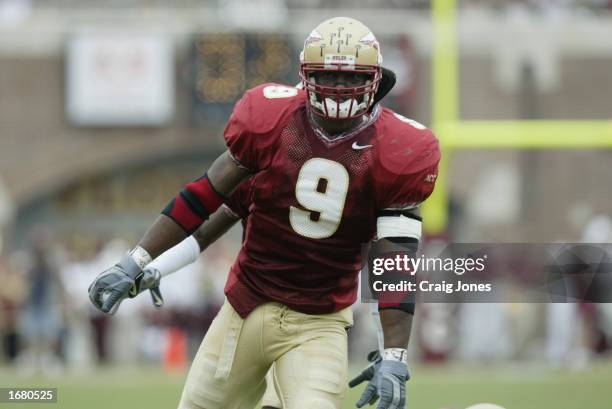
(455, 133)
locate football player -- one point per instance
(331, 170)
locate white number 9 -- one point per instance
(412, 122)
(321, 188)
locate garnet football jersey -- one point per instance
(239, 202)
(313, 201)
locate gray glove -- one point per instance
(149, 280)
(368, 373)
(387, 381)
(113, 285)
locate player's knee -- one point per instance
(201, 400)
(320, 403)
(187, 402)
(202, 392)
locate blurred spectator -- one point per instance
(575, 331)
(13, 292)
(41, 320)
(599, 230)
(565, 334)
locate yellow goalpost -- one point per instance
(454, 133)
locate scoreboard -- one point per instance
(225, 65)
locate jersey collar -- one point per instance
(369, 119)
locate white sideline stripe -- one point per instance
(228, 349)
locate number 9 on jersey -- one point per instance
(321, 189)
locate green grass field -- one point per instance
(437, 387)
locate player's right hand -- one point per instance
(113, 285)
(149, 280)
(368, 373)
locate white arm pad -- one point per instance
(177, 257)
(398, 226)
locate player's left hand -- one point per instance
(368, 373)
(149, 280)
(387, 381)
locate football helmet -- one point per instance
(345, 46)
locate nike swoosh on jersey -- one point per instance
(356, 146)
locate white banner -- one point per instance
(116, 78)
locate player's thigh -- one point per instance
(215, 380)
(313, 375)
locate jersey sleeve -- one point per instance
(406, 184)
(252, 131)
(240, 201)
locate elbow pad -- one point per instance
(194, 204)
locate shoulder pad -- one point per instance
(270, 104)
(406, 146)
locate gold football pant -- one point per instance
(309, 353)
(270, 397)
